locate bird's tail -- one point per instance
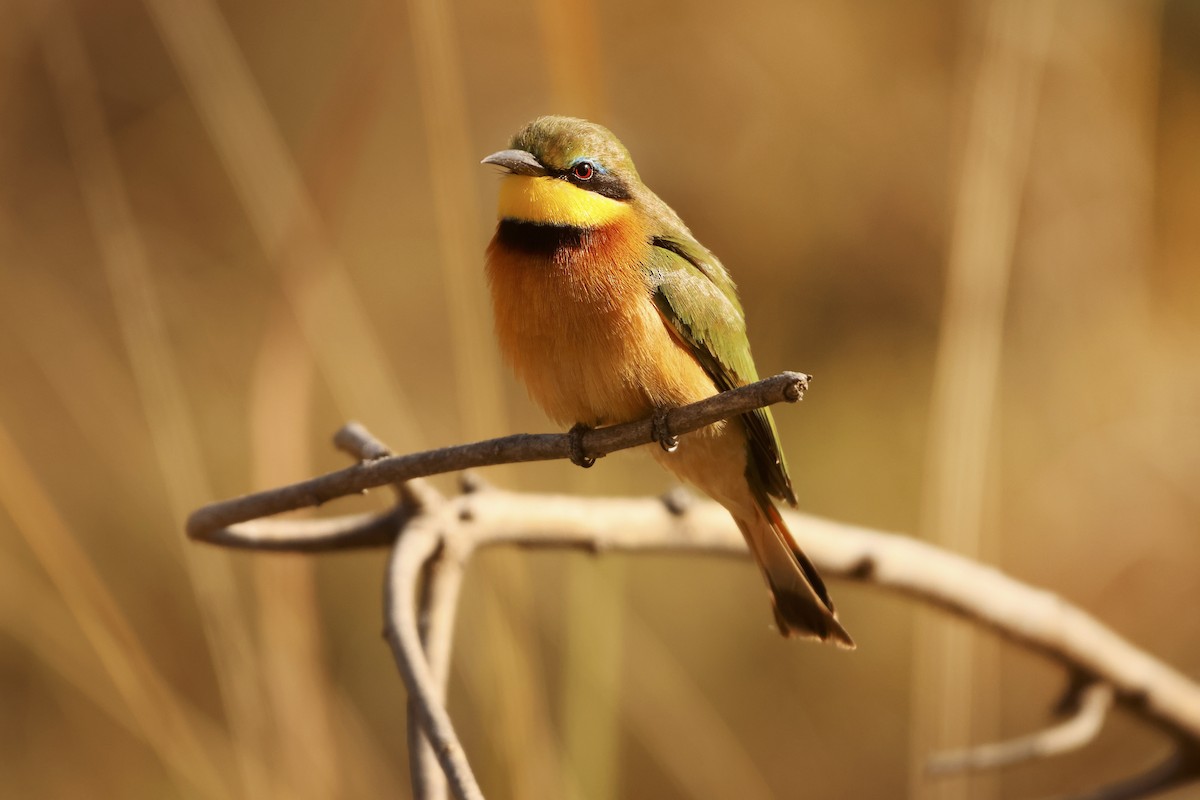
(802, 605)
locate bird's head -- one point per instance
(566, 172)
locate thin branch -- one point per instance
(1180, 768)
(437, 609)
(409, 556)
(1070, 734)
(1033, 617)
(355, 440)
(205, 522)
(350, 532)
(440, 534)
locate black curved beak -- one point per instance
(518, 162)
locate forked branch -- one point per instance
(435, 537)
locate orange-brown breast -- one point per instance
(579, 327)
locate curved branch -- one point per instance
(437, 611)
(204, 523)
(432, 525)
(1034, 618)
(1070, 734)
(1180, 768)
(350, 532)
(409, 556)
(434, 616)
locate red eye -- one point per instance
(583, 171)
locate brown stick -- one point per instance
(205, 522)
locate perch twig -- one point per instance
(436, 537)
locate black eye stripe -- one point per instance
(609, 186)
(602, 183)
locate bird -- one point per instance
(609, 310)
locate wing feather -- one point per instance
(696, 296)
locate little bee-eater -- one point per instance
(609, 310)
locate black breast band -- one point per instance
(532, 237)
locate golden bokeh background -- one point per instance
(226, 227)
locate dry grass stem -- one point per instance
(1002, 109)
(285, 218)
(144, 330)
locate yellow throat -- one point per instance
(555, 201)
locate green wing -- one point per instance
(697, 298)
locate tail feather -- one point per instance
(798, 595)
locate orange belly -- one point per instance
(582, 332)
(580, 329)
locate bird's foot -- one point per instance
(661, 431)
(578, 457)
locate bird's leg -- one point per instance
(661, 431)
(578, 457)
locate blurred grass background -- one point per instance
(227, 227)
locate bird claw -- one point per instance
(661, 431)
(578, 457)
